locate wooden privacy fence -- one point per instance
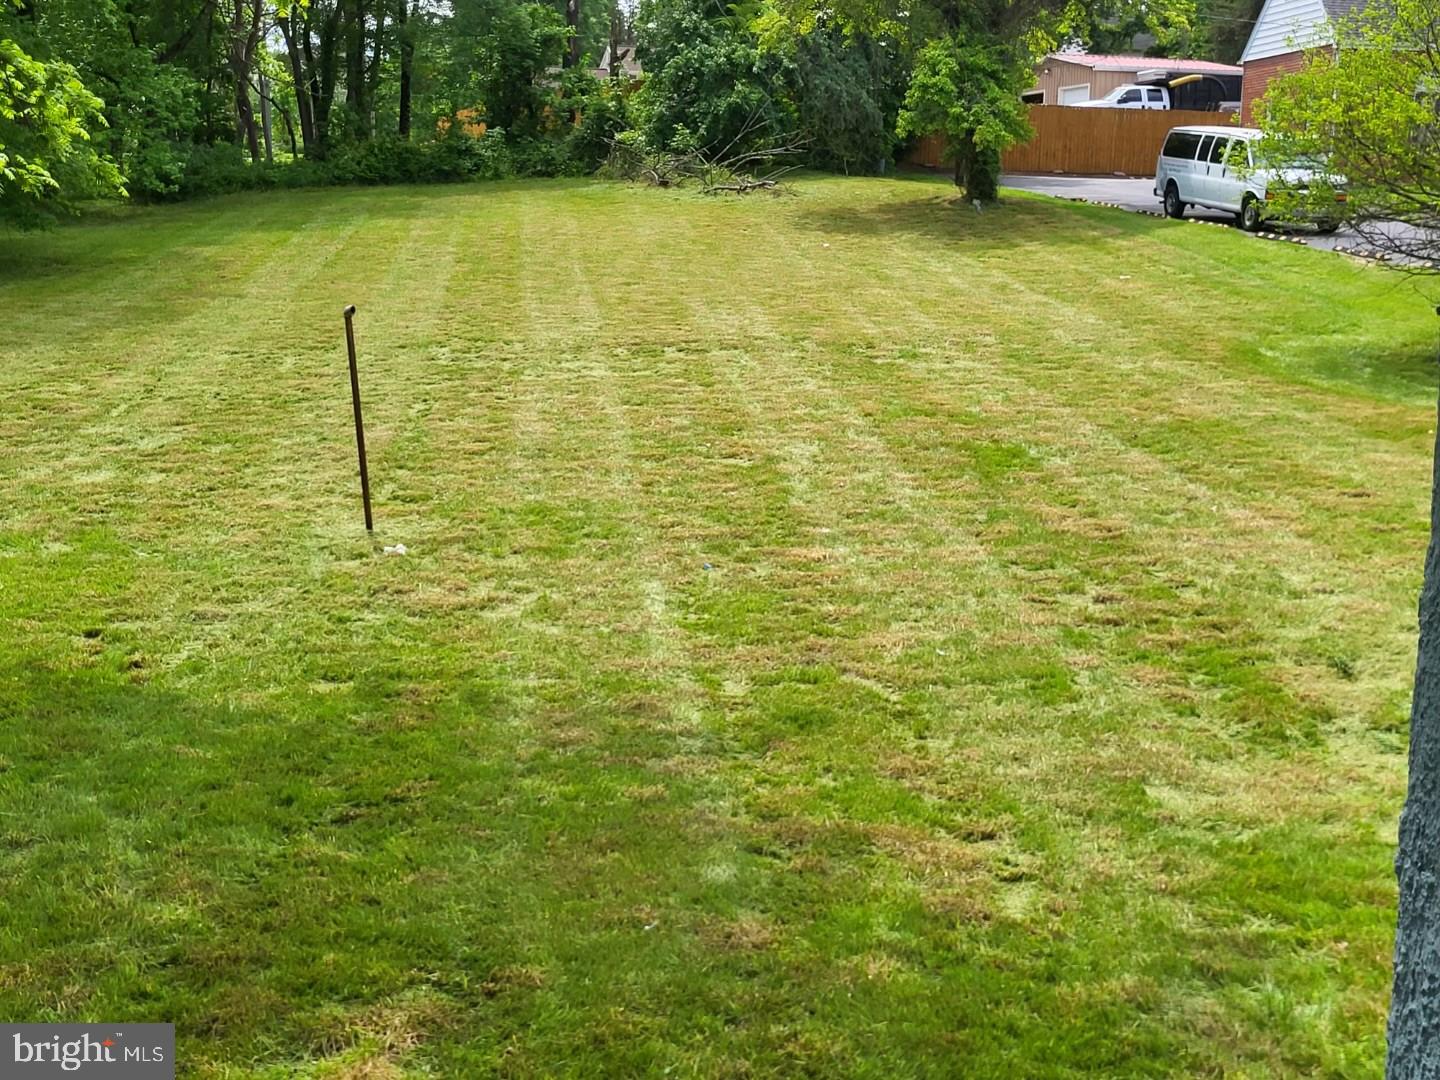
(1084, 142)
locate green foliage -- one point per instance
(392, 160)
(500, 54)
(1222, 29)
(847, 93)
(967, 89)
(1368, 115)
(47, 159)
(154, 111)
(1111, 27)
(604, 109)
(224, 169)
(708, 86)
(153, 116)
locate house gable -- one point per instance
(1287, 26)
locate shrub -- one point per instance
(467, 157)
(214, 170)
(604, 117)
(223, 169)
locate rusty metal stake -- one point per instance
(359, 423)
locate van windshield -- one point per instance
(1308, 162)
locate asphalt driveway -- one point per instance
(1139, 194)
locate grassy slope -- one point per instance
(841, 635)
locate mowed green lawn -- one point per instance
(841, 635)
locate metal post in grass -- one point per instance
(359, 422)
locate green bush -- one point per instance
(214, 170)
(223, 169)
(389, 160)
(604, 117)
(458, 156)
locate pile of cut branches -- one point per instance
(759, 169)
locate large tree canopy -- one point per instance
(47, 115)
(971, 62)
(1370, 112)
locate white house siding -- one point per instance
(1285, 26)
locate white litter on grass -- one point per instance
(398, 549)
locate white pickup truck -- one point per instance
(1160, 89)
(1131, 96)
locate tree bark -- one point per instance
(407, 64)
(323, 76)
(617, 34)
(977, 171)
(372, 76)
(1414, 1028)
(354, 37)
(264, 91)
(301, 80)
(572, 20)
(289, 130)
(244, 37)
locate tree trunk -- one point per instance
(977, 171)
(289, 130)
(407, 64)
(1414, 1028)
(265, 116)
(372, 77)
(302, 85)
(244, 36)
(324, 75)
(245, 119)
(354, 37)
(617, 34)
(572, 20)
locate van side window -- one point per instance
(1218, 148)
(1237, 155)
(1205, 145)
(1182, 144)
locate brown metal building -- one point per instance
(1070, 78)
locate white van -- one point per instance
(1215, 167)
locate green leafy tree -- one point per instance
(1222, 29)
(1112, 27)
(1368, 113)
(499, 57)
(965, 89)
(708, 85)
(47, 116)
(847, 91)
(972, 60)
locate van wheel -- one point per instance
(1174, 208)
(1250, 219)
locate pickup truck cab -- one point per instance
(1131, 96)
(1216, 168)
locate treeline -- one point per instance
(171, 98)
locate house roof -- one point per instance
(1104, 62)
(1340, 9)
(628, 61)
(1286, 26)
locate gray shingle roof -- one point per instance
(1340, 9)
